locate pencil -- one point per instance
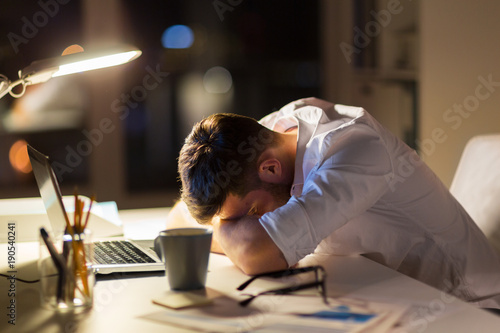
(92, 198)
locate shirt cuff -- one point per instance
(291, 230)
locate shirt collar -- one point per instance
(307, 119)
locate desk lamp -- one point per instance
(43, 70)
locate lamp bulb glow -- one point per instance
(96, 63)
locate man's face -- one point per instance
(255, 203)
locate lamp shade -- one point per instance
(42, 70)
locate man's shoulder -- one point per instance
(313, 110)
(291, 107)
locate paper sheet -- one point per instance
(282, 314)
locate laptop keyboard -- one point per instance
(119, 252)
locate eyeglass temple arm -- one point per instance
(281, 291)
(281, 273)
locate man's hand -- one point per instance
(248, 245)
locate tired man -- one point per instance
(322, 177)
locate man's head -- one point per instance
(223, 157)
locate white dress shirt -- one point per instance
(360, 190)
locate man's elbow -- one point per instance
(261, 261)
(258, 268)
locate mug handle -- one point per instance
(157, 247)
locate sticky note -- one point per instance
(182, 300)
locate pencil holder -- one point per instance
(66, 276)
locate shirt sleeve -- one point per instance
(353, 177)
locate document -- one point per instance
(285, 313)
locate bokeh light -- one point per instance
(18, 157)
(177, 37)
(217, 80)
(72, 49)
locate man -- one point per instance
(329, 178)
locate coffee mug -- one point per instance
(185, 252)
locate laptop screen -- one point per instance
(49, 190)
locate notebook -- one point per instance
(110, 255)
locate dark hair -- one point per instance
(219, 157)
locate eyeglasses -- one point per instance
(319, 273)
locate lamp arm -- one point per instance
(6, 87)
(15, 84)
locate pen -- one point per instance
(78, 245)
(58, 262)
(92, 199)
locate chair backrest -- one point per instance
(476, 184)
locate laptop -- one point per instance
(110, 255)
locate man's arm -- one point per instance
(248, 245)
(179, 217)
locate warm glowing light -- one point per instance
(18, 157)
(75, 48)
(217, 80)
(96, 63)
(177, 37)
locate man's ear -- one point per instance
(270, 170)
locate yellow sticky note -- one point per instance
(182, 300)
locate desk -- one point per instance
(124, 304)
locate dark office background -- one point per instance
(270, 48)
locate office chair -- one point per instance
(476, 184)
